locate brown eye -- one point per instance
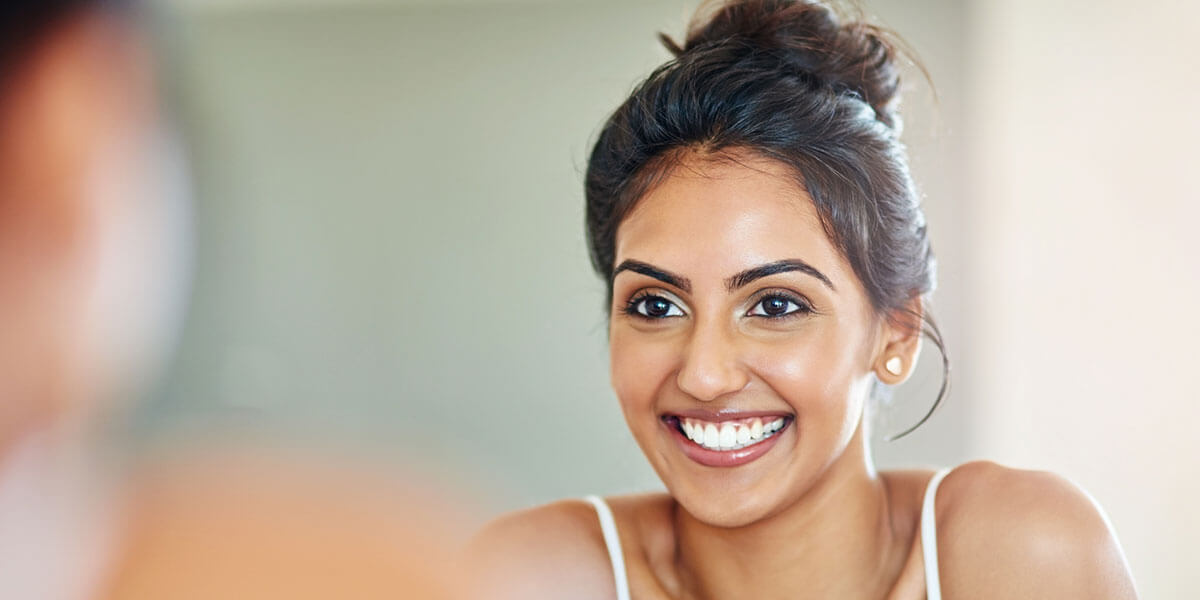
(656, 307)
(776, 306)
(653, 307)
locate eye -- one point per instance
(651, 306)
(774, 306)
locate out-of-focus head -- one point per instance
(87, 244)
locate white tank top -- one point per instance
(933, 588)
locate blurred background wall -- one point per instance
(390, 241)
(1085, 273)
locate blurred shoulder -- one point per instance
(1005, 533)
(245, 521)
(552, 551)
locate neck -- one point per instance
(836, 541)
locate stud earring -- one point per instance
(894, 365)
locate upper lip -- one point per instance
(725, 414)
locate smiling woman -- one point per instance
(744, 339)
(768, 267)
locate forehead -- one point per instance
(726, 215)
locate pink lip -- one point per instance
(727, 414)
(729, 458)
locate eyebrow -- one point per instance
(649, 270)
(779, 266)
(737, 281)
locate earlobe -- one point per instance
(891, 368)
(902, 343)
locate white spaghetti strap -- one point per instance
(933, 583)
(613, 542)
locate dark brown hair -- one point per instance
(24, 24)
(790, 81)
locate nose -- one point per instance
(711, 364)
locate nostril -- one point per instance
(711, 366)
(709, 382)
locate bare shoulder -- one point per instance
(1011, 533)
(552, 551)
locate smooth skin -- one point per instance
(812, 518)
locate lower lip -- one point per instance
(727, 458)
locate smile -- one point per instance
(726, 442)
(730, 435)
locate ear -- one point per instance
(900, 342)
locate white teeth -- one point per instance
(728, 436)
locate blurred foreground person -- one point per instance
(85, 282)
(253, 524)
(91, 279)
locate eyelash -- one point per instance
(802, 306)
(631, 307)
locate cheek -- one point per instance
(638, 366)
(817, 374)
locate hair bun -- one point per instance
(808, 37)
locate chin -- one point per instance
(744, 491)
(729, 509)
(730, 497)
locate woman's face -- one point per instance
(733, 315)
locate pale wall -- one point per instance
(1086, 273)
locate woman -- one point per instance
(768, 267)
